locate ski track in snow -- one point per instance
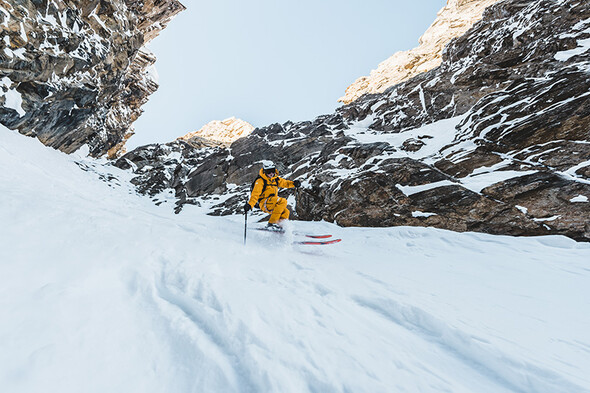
(104, 290)
(206, 316)
(466, 349)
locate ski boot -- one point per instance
(275, 228)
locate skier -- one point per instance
(265, 191)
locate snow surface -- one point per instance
(102, 291)
(438, 134)
(583, 47)
(13, 98)
(579, 198)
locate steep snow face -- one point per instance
(104, 291)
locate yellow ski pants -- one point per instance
(277, 208)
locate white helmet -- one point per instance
(268, 165)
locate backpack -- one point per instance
(265, 183)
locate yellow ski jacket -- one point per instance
(271, 189)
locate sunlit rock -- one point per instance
(221, 131)
(452, 21)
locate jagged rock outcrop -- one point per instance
(169, 166)
(496, 139)
(223, 132)
(452, 21)
(77, 72)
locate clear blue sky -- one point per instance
(268, 61)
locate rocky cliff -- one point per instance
(77, 72)
(452, 21)
(496, 139)
(223, 132)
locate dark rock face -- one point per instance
(495, 140)
(74, 73)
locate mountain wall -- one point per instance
(452, 21)
(496, 139)
(77, 72)
(223, 132)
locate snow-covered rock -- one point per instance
(78, 74)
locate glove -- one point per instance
(247, 207)
(297, 183)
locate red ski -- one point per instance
(318, 243)
(317, 236)
(265, 229)
(297, 233)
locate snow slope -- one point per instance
(102, 291)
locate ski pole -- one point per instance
(245, 225)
